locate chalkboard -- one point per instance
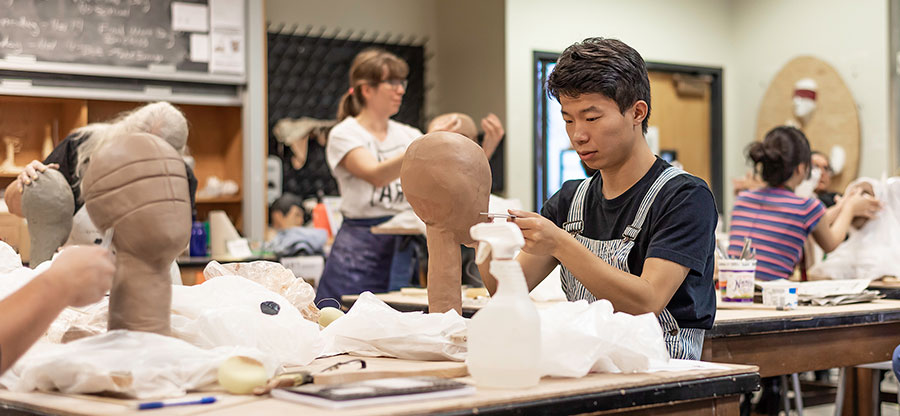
(132, 33)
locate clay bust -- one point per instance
(137, 184)
(447, 180)
(465, 126)
(47, 204)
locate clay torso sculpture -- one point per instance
(447, 180)
(138, 186)
(47, 204)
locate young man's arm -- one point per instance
(649, 292)
(534, 267)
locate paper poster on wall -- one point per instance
(199, 47)
(189, 17)
(227, 54)
(227, 14)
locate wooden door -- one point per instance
(680, 109)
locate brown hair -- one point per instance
(783, 149)
(370, 66)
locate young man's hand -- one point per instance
(542, 236)
(30, 172)
(83, 274)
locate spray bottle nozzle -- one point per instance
(503, 238)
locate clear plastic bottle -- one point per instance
(504, 337)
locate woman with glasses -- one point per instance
(365, 150)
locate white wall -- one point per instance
(690, 32)
(750, 39)
(850, 36)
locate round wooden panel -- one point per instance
(835, 121)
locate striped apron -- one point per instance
(683, 343)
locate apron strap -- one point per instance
(575, 219)
(632, 230)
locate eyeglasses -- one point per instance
(396, 83)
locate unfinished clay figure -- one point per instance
(447, 180)
(137, 185)
(47, 204)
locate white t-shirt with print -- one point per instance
(360, 199)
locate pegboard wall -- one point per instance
(308, 74)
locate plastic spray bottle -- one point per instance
(504, 337)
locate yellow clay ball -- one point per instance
(328, 315)
(239, 375)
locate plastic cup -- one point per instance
(737, 279)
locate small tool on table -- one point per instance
(299, 378)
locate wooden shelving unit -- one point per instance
(215, 142)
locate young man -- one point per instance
(639, 232)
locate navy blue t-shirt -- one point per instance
(680, 227)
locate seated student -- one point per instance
(79, 276)
(288, 236)
(820, 161)
(639, 233)
(776, 219)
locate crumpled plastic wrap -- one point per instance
(230, 310)
(225, 311)
(140, 365)
(578, 338)
(372, 328)
(870, 252)
(9, 259)
(272, 276)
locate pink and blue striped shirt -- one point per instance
(778, 221)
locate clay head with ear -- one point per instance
(47, 204)
(447, 180)
(138, 186)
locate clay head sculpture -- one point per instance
(137, 185)
(465, 126)
(447, 180)
(47, 204)
(804, 99)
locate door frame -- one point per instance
(716, 128)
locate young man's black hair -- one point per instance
(604, 66)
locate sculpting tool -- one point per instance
(157, 405)
(492, 215)
(107, 238)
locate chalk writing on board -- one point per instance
(134, 33)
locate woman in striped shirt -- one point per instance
(778, 220)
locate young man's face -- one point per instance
(601, 134)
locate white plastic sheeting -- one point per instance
(134, 364)
(871, 251)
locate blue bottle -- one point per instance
(198, 240)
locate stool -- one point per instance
(876, 387)
(798, 395)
